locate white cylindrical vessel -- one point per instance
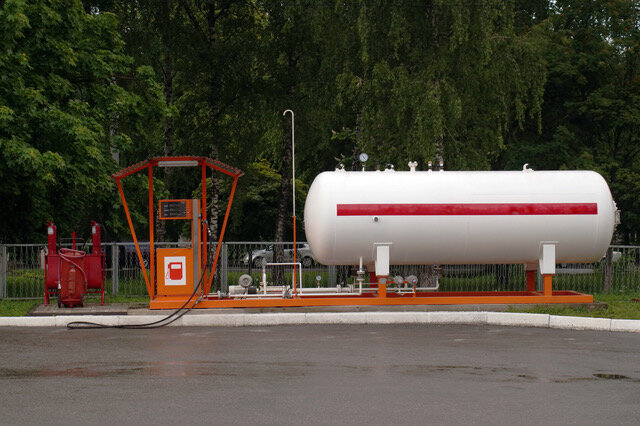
(449, 217)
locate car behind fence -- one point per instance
(22, 270)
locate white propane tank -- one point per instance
(451, 217)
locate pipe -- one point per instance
(276, 292)
(296, 265)
(256, 296)
(63, 252)
(264, 277)
(437, 286)
(273, 296)
(314, 290)
(293, 168)
(360, 278)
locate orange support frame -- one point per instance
(203, 162)
(207, 287)
(382, 289)
(547, 283)
(135, 240)
(531, 280)
(204, 229)
(152, 257)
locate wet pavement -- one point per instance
(326, 374)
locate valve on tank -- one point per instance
(412, 280)
(245, 281)
(398, 280)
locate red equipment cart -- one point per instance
(71, 273)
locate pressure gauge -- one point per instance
(363, 157)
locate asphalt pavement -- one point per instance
(324, 374)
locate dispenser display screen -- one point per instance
(175, 209)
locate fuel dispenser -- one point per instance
(177, 273)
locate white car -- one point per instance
(259, 257)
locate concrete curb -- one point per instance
(269, 319)
(517, 319)
(580, 323)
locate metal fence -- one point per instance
(22, 270)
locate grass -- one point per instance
(23, 282)
(17, 308)
(619, 306)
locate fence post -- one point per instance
(115, 269)
(3, 272)
(608, 271)
(224, 273)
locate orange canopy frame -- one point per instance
(183, 161)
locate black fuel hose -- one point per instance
(177, 314)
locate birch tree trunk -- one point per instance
(167, 80)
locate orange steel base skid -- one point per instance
(391, 299)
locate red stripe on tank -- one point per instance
(482, 209)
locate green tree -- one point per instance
(63, 115)
(218, 74)
(591, 113)
(441, 80)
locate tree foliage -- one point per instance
(62, 115)
(441, 79)
(88, 87)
